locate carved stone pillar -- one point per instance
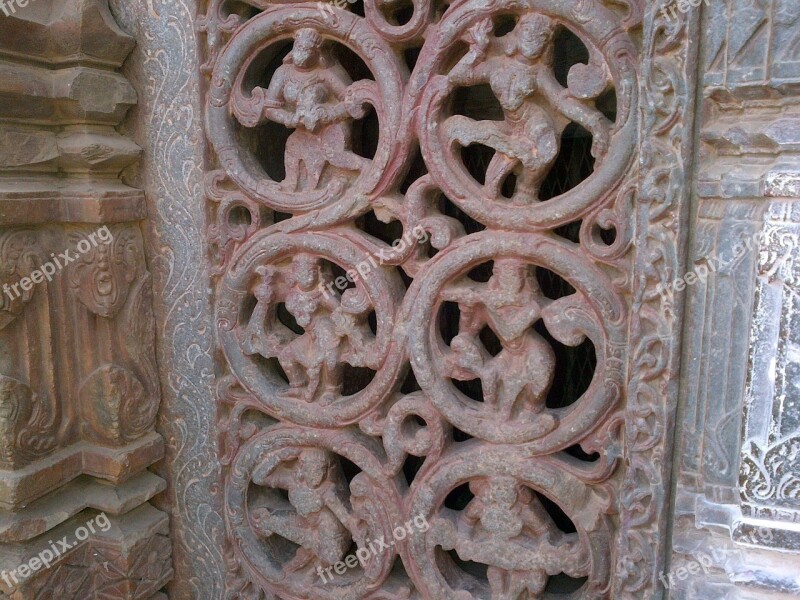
(79, 388)
(738, 486)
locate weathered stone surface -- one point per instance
(79, 388)
(167, 123)
(350, 386)
(736, 505)
(352, 371)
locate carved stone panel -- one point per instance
(440, 350)
(736, 502)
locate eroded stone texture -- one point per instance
(362, 384)
(737, 501)
(79, 390)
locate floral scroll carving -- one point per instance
(20, 254)
(392, 326)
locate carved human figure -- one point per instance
(519, 69)
(350, 319)
(510, 303)
(311, 93)
(317, 493)
(335, 331)
(505, 527)
(311, 361)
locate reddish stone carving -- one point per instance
(328, 441)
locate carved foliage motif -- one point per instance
(667, 80)
(27, 423)
(366, 384)
(19, 255)
(102, 277)
(105, 288)
(771, 451)
(115, 405)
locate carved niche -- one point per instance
(423, 316)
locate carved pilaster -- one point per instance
(737, 500)
(79, 388)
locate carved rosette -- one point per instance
(408, 337)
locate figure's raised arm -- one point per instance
(583, 114)
(473, 68)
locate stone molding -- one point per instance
(79, 388)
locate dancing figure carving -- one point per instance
(312, 94)
(521, 374)
(519, 69)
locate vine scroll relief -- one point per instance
(472, 374)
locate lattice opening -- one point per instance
(447, 208)
(459, 497)
(563, 584)
(575, 367)
(568, 51)
(242, 9)
(398, 14)
(573, 164)
(388, 233)
(287, 318)
(411, 466)
(578, 452)
(355, 379)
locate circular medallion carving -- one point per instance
(471, 47)
(312, 94)
(516, 377)
(302, 338)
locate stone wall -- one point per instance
(737, 498)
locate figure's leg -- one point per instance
(508, 399)
(499, 583)
(332, 381)
(295, 374)
(349, 161)
(313, 383)
(314, 162)
(537, 158)
(497, 171)
(336, 141)
(489, 381)
(291, 161)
